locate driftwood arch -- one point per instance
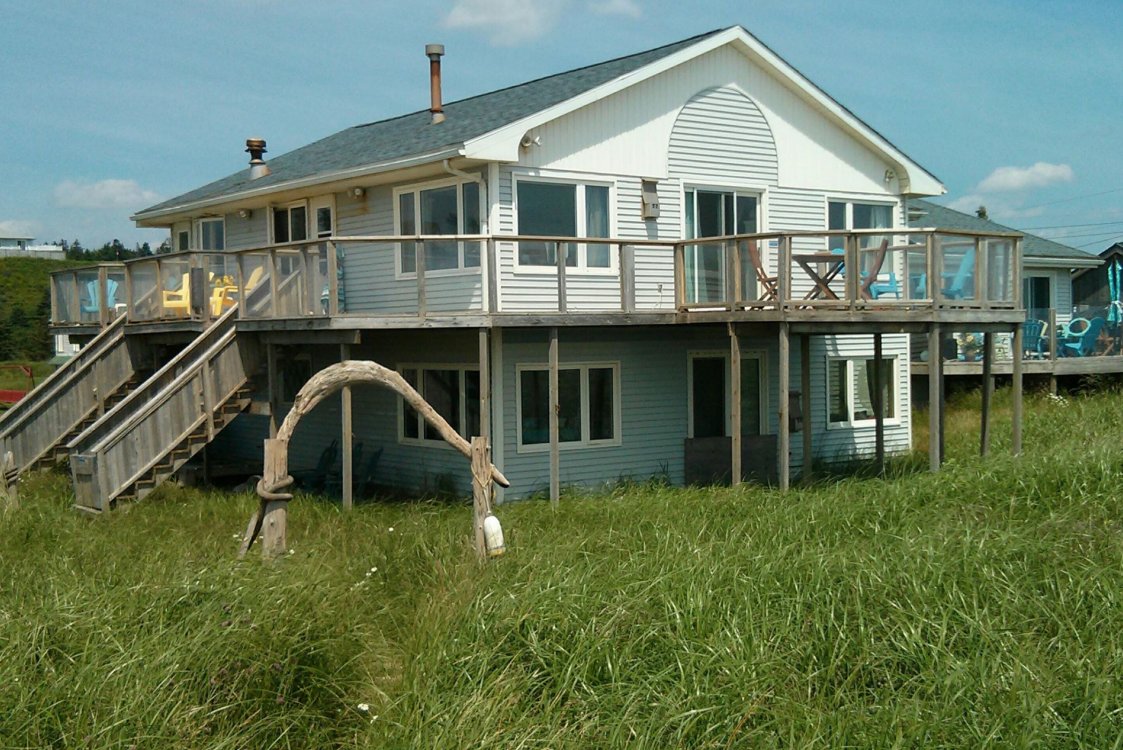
(272, 513)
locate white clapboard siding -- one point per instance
(721, 138)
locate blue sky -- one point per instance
(114, 105)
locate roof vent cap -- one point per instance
(255, 147)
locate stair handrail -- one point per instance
(165, 392)
(86, 358)
(223, 324)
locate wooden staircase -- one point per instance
(37, 428)
(154, 430)
(60, 449)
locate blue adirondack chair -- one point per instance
(957, 288)
(92, 304)
(1086, 344)
(1033, 343)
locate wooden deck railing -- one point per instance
(422, 275)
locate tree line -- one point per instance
(115, 250)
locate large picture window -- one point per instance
(850, 390)
(588, 405)
(442, 209)
(561, 209)
(454, 392)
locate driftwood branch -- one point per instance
(9, 479)
(269, 520)
(353, 372)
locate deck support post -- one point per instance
(783, 448)
(345, 407)
(271, 387)
(555, 405)
(988, 391)
(805, 403)
(735, 406)
(878, 407)
(935, 397)
(1053, 350)
(1016, 444)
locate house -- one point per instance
(19, 246)
(1090, 285)
(663, 265)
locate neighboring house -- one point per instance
(1090, 286)
(397, 241)
(22, 247)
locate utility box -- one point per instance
(650, 199)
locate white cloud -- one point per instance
(626, 8)
(121, 194)
(507, 22)
(18, 228)
(1010, 179)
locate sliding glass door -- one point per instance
(713, 213)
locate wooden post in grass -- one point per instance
(347, 469)
(935, 395)
(1016, 445)
(275, 511)
(988, 391)
(784, 446)
(481, 491)
(555, 401)
(878, 407)
(735, 415)
(805, 396)
(9, 479)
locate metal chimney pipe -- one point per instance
(255, 147)
(434, 52)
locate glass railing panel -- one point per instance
(292, 292)
(144, 290)
(89, 296)
(64, 298)
(958, 268)
(254, 294)
(1000, 270)
(115, 291)
(174, 293)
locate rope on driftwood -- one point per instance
(9, 479)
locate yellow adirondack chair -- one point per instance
(178, 301)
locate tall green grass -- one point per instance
(981, 607)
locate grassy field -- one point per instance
(982, 607)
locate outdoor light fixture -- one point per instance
(245, 213)
(358, 192)
(890, 175)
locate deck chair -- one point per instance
(957, 288)
(767, 284)
(1085, 346)
(93, 306)
(869, 280)
(1033, 341)
(314, 480)
(225, 296)
(176, 300)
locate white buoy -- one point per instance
(493, 536)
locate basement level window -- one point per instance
(588, 405)
(850, 390)
(453, 392)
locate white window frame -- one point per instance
(416, 189)
(580, 182)
(760, 355)
(421, 440)
(199, 232)
(309, 234)
(851, 381)
(584, 442)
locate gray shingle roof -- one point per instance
(413, 134)
(1033, 246)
